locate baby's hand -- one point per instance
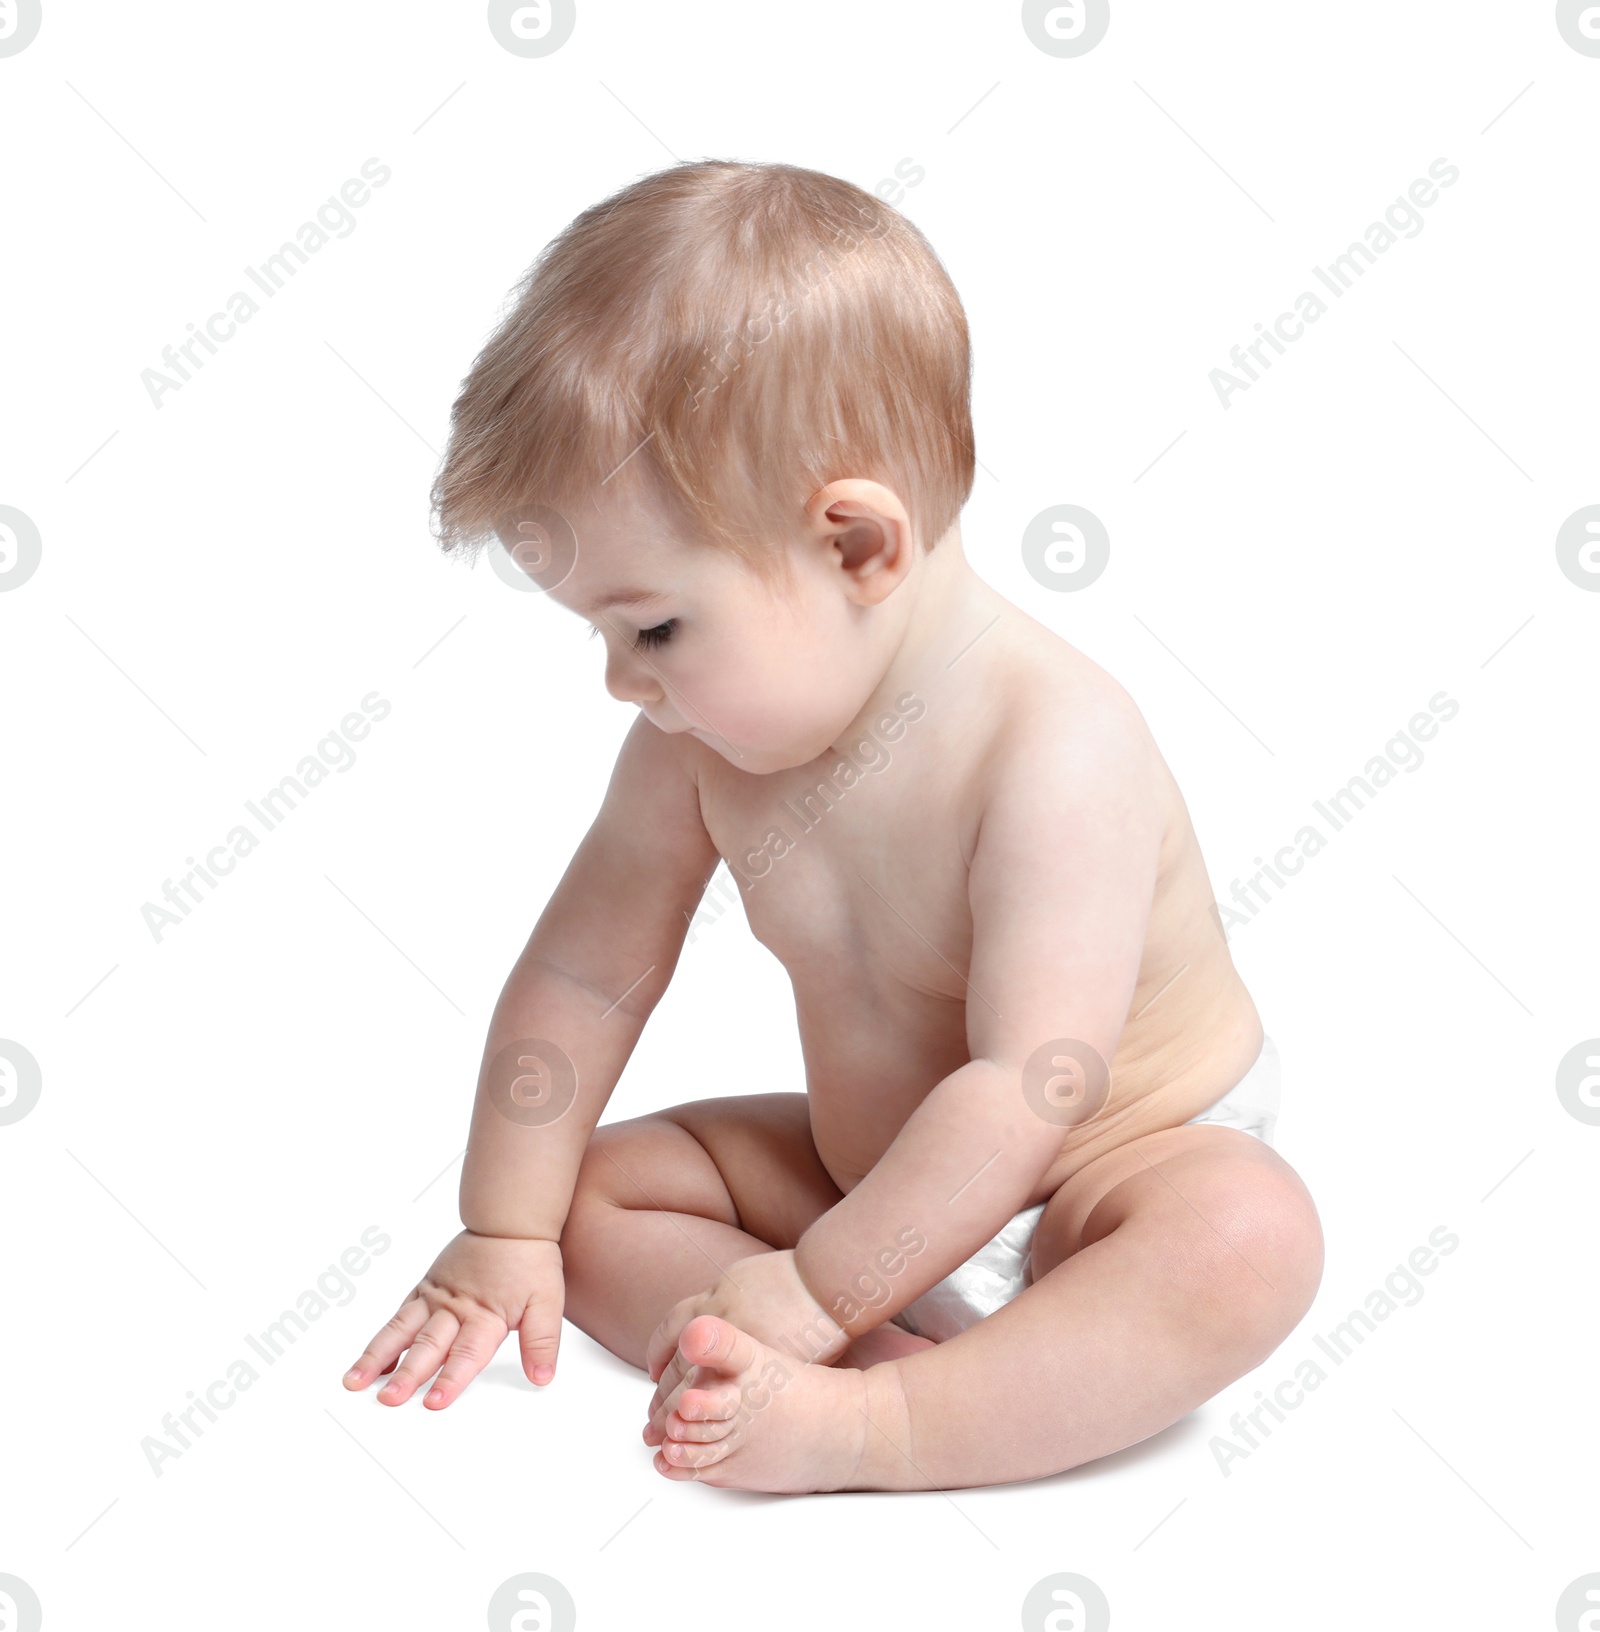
(477, 1289)
(762, 1295)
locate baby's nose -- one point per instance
(631, 681)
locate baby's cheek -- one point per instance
(764, 703)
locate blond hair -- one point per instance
(733, 336)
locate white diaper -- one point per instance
(998, 1270)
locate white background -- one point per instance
(224, 577)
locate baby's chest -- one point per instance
(849, 886)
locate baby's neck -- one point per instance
(949, 596)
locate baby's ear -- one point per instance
(866, 530)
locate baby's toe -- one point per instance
(710, 1409)
(701, 1432)
(718, 1403)
(681, 1455)
(667, 1469)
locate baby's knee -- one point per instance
(1269, 1259)
(595, 1191)
(616, 1152)
(626, 1168)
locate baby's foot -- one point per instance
(886, 1342)
(755, 1419)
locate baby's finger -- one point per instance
(382, 1353)
(472, 1350)
(539, 1334)
(431, 1345)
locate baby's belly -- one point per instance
(866, 1078)
(849, 1142)
(869, 1065)
(1155, 1090)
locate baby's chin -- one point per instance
(758, 758)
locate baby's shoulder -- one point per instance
(1071, 769)
(1067, 753)
(1062, 715)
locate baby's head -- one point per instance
(745, 390)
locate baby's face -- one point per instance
(700, 643)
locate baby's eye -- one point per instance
(659, 635)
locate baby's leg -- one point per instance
(1163, 1271)
(665, 1202)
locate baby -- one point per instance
(1026, 1211)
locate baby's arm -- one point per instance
(597, 962)
(1060, 888)
(588, 978)
(594, 967)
